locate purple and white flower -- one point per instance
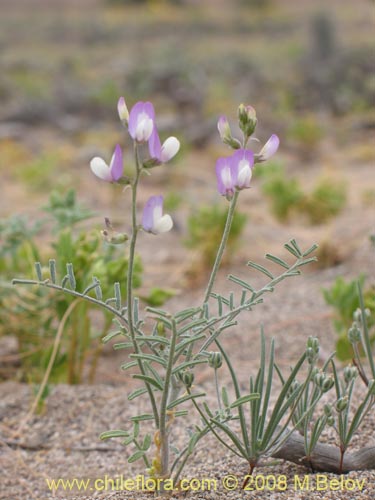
(153, 220)
(234, 172)
(113, 171)
(162, 153)
(141, 121)
(269, 149)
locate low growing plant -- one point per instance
(31, 316)
(343, 297)
(164, 348)
(287, 198)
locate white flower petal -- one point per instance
(226, 177)
(270, 148)
(169, 149)
(244, 174)
(101, 169)
(144, 129)
(163, 225)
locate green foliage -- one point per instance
(205, 229)
(287, 198)
(343, 297)
(326, 200)
(157, 296)
(65, 210)
(34, 317)
(285, 194)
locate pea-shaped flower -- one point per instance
(111, 172)
(162, 153)
(269, 149)
(234, 172)
(153, 220)
(141, 121)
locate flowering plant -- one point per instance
(165, 348)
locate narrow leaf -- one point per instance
(141, 418)
(113, 434)
(292, 250)
(148, 380)
(149, 357)
(136, 456)
(181, 400)
(240, 282)
(129, 364)
(260, 268)
(72, 279)
(117, 295)
(136, 393)
(52, 270)
(111, 336)
(310, 250)
(244, 399)
(38, 270)
(277, 260)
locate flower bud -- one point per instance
(357, 315)
(327, 410)
(350, 373)
(247, 119)
(187, 378)
(331, 420)
(341, 404)
(294, 386)
(123, 111)
(215, 360)
(226, 133)
(112, 236)
(354, 334)
(312, 350)
(323, 382)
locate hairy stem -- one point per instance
(129, 298)
(222, 246)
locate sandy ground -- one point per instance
(63, 442)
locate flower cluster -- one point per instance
(235, 172)
(141, 126)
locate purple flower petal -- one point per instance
(242, 162)
(270, 148)
(225, 181)
(141, 121)
(154, 203)
(153, 220)
(154, 145)
(223, 127)
(116, 165)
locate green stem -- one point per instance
(129, 298)
(222, 246)
(217, 390)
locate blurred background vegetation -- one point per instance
(306, 66)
